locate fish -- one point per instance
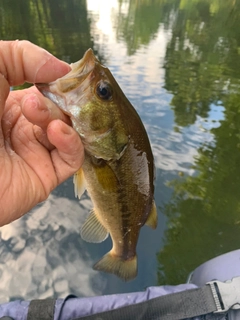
(118, 170)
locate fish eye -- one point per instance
(104, 91)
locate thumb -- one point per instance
(4, 92)
(68, 156)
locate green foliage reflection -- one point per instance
(202, 68)
(140, 25)
(59, 26)
(204, 211)
(202, 56)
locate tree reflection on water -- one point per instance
(202, 71)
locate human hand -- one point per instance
(38, 147)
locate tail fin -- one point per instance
(124, 269)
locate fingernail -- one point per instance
(67, 129)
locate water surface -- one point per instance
(178, 63)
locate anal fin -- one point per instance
(152, 217)
(92, 230)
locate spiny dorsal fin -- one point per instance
(152, 217)
(124, 269)
(92, 229)
(79, 183)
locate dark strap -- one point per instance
(41, 309)
(176, 306)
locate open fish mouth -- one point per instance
(63, 91)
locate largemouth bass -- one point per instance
(118, 169)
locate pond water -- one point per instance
(178, 62)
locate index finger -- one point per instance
(22, 61)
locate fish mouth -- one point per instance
(61, 91)
(51, 91)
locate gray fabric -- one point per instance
(41, 309)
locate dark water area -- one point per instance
(178, 62)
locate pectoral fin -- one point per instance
(152, 218)
(79, 183)
(92, 229)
